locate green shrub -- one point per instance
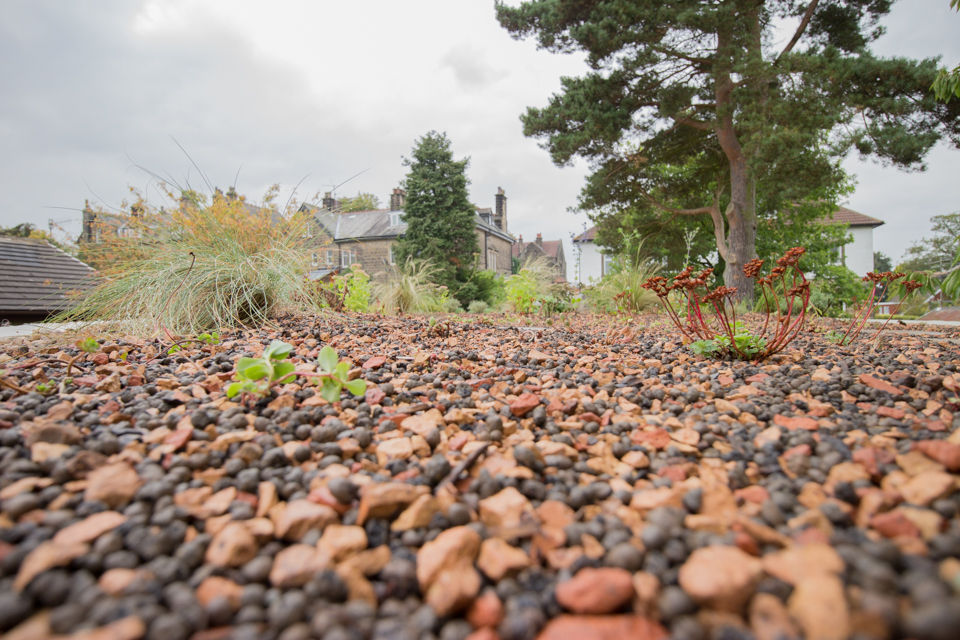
(356, 283)
(478, 306)
(200, 268)
(529, 285)
(835, 289)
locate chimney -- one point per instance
(500, 211)
(329, 202)
(89, 218)
(398, 199)
(539, 240)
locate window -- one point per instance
(315, 260)
(327, 257)
(607, 264)
(491, 259)
(391, 258)
(396, 217)
(347, 257)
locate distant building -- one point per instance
(592, 261)
(552, 250)
(857, 255)
(37, 279)
(337, 240)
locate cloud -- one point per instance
(296, 88)
(468, 66)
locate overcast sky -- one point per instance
(291, 90)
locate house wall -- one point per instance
(488, 243)
(372, 255)
(858, 255)
(591, 262)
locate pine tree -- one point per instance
(438, 213)
(688, 104)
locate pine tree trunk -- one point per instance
(739, 246)
(741, 238)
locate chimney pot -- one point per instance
(539, 240)
(398, 198)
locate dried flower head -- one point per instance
(752, 268)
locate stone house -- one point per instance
(337, 240)
(552, 250)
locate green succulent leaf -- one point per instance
(356, 387)
(277, 350)
(328, 359)
(235, 388)
(330, 390)
(342, 370)
(255, 369)
(283, 371)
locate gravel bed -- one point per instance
(589, 478)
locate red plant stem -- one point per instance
(860, 319)
(893, 312)
(766, 304)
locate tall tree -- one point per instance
(937, 252)
(438, 213)
(698, 85)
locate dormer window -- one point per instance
(396, 217)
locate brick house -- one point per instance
(552, 250)
(337, 239)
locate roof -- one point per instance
(549, 248)
(587, 236)
(376, 223)
(36, 277)
(854, 218)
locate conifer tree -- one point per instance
(690, 107)
(438, 213)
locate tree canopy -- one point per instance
(689, 108)
(947, 84)
(937, 252)
(360, 202)
(438, 213)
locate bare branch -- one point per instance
(807, 16)
(690, 122)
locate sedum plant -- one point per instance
(710, 324)
(334, 374)
(256, 375)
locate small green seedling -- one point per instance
(174, 349)
(89, 345)
(836, 337)
(747, 345)
(209, 338)
(45, 388)
(336, 377)
(255, 375)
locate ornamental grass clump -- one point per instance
(710, 325)
(410, 288)
(199, 268)
(884, 281)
